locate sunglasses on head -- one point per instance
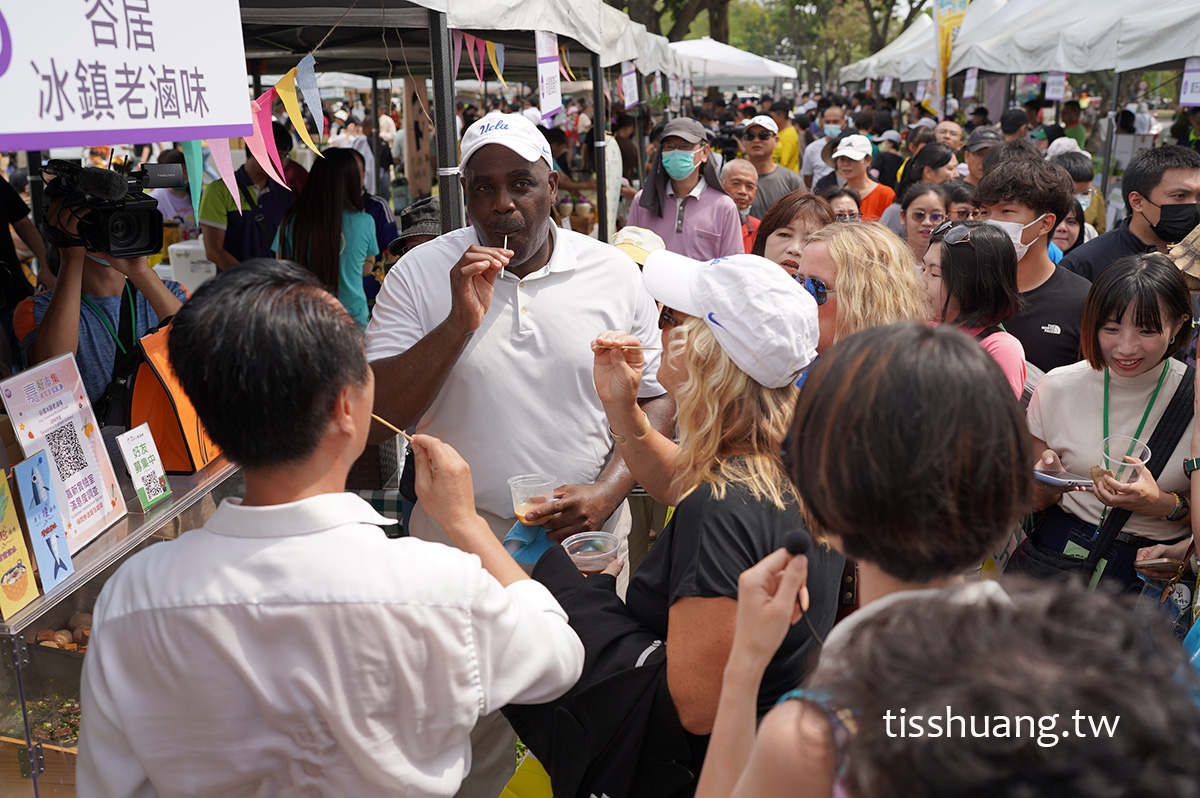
(761, 135)
(666, 318)
(953, 232)
(920, 216)
(814, 286)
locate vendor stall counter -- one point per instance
(39, 684)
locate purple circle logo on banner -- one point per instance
(5, 45)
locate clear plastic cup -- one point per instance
(1117, 452)
(592, 552)
(529, 491)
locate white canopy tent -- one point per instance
(910, 56)
(714, 63)
(1158, 33)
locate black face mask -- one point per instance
(1175, 221)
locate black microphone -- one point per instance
(102, 184)
(798, 542)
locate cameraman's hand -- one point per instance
(130, 267)
(62, 218)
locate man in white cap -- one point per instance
(481, 338)
(759, 140)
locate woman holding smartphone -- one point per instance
(1135, 318)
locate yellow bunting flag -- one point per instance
(491, 52)
(286, 88)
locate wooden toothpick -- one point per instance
(502, 265)
(392, 427)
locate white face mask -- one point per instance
(1084, 199)
(1014, 231)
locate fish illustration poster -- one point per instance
(47, 537)
(17, 585)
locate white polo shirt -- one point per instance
(521, 398)
(296, 650)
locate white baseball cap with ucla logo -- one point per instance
(763, 319)
(513, 131)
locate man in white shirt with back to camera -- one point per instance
(288, 647)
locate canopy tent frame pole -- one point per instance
(449, 188)
(598, 142)
(375, 129)
(1111, 143)
(37, 188)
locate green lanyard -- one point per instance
(132, 315)
(1145, 415)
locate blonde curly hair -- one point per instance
(876, 276)
(731, 428)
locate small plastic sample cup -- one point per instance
(592, 552)
(530, 491)
(1124, 456)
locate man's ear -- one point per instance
(1136, 201)
(1050, 218)
(554, 182)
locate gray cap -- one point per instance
(422, 218)
(984, 137)
(686, 128)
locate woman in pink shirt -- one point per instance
(969, 274)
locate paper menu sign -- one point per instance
(49, 410)
(629, 84)
(141, 458)
(17, 586)
(549, 90)
(47, 535)
(1189, 92)
(1056, 85)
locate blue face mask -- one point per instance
(679, 163)
(832, 131)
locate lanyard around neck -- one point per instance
(128, 293)
(1146, 413)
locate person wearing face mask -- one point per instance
(683, 201)
(740, 181)
(813, 167)
(1079, 167)
(1161, 188)
(86, 311)
(1027, 198)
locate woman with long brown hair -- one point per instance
(327, 232)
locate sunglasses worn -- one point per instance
(849, 217)
(815, 287)
(919, 216)
(761, 135)
(953, 233)
(666, 319)
(964, 216)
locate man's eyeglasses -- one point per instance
(814, 286)
(679, 147)
(849, 217)
(953, 233)
(761, 135)
(920, 216)
(666, 318)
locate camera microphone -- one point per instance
(796, 542)
(103, 184)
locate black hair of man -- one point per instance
(554, 135)
(781, 107)
(1012, 119)
(623, 121)
(244, 350)
(1038, 185)
(1071, 105)
(1008, 151)
(656, 132)
(283, 139)
(170, 157)
(1078, 165)
(1147, 168)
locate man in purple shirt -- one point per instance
(683, 201)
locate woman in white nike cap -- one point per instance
(737, 333)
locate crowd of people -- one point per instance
(844, 360)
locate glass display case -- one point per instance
(39, 684)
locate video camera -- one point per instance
(726, 141)
(114, 212)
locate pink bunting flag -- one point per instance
(457, 36)
(481, 45)
(261, 110)
(224, 163)
(561, 67)
(470, 40)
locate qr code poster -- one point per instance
(50, 411)
(146, 470)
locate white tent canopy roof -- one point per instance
(1154, 34)
(910, 56)
(714, 63)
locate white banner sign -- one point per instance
(920, 91)
(1056, 85)
(1190, 93)
(885, 88)
(84, 72)
(549, 89)
(971, 85)
(629, 84)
